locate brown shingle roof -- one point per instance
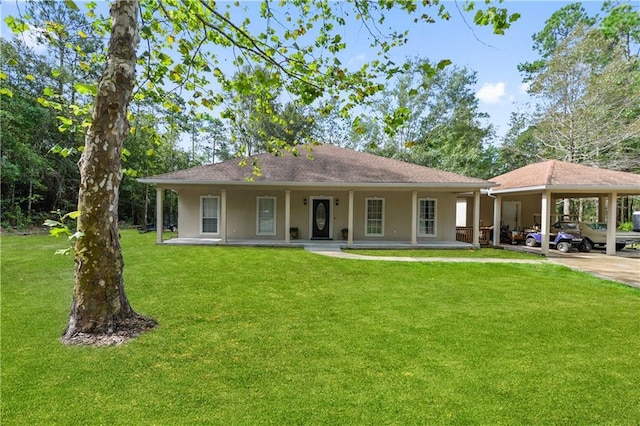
(555, 173)
(330, 165)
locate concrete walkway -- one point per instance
(344, 255)
(625, 270)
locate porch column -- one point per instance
(350, 220)
(287, 215)
(414, 217)
(476, 219)
(611, 223)
(159, 218)
(497, 215)
(546, 224)
(223, 214)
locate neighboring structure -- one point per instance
(533, 190)
(337, 194)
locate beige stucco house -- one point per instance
(319, 193)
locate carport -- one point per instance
(538, 186)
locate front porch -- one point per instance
(325, 244)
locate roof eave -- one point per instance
(605, 189)
(455, 185)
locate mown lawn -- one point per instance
(487, 253)
(283, 336)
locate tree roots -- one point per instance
(125, 331)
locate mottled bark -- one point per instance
(100, 311)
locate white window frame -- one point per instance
(366, 217)
(435, 217)
(275, 210)
(202, 217)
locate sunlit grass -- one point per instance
(487, 253)
(282, 336)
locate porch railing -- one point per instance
(465, 235)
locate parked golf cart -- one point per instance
(561, 240)
(594, 234)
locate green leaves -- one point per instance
(498, 18)
(64, 152)
(86, 89)
(16, 25)
(59, 228)
(6, 92)
(71, 5)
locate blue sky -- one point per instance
(493, 57)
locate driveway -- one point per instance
(624, 267)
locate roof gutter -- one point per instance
(171, 182)
(571, 188)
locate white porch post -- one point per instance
(612, 207)
(223, 214)
(546, 224)
(497, 216)
(350, 220)
(287, 214)
(414, 217)
(476, 219)
(159, 218)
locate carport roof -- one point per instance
(560, 176)
(331, 166)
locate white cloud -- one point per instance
(357, 59)
(30, 39)
(491, 93)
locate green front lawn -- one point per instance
(490, 253)
(283, 336)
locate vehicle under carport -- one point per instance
(541, 184)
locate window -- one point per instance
(210, 212)
(266, 220)
(427, 217)
(375, 217)
(461, 212)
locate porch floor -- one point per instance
(324, 244)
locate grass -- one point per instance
(282, 336)
(490, 253)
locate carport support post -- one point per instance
(476, 219)
(612, 206)
(287, 215)
(159, 218)
(545, 225)
(497, 214)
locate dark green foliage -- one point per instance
(441, 125)
(557, 28)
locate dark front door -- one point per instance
(321, 219)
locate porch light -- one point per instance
(305, 201)
(337, 201)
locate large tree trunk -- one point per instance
(100, 312)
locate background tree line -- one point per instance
(586, 109)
